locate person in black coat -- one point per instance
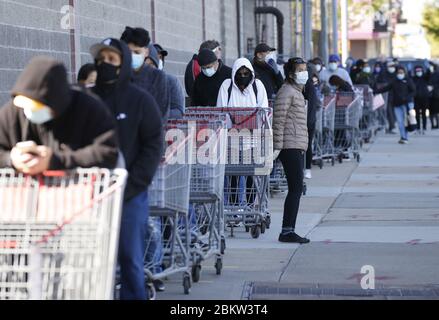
(403, 90)
(340, 84)
(270, 77)
(314, 104)
(207, 86)
(386, 77)
(49, 125)
(422, 96)
(141, 139)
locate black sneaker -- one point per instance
(159, 285)
(293, 238)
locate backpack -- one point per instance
(255, 89)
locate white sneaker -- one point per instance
(308, 174)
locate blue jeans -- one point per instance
(239, 191)
(154, 250)
(132, 247)
(400, 114)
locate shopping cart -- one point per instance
(348, 113)
(369, 121)
(59, 234)
(328, 128)
(248, 166)
(207, 188)
(169, 207)
(317, 145)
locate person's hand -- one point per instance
(276, 154)
(31, 160)
(20, 159)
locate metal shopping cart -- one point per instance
(317, 145)
(328, 128)
(369, 121)
(59, 234)
(248, 166)
(348, 113)
(207, 189)
(169, 207)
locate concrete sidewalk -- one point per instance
(383, 213)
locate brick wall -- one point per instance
(35, 27)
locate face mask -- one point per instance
(34, 111)
(210, 72)
(161, 65)
(367, 70)
(107, 73)
(431, 69)
(243, 82)
(391, 70)
(333, 66)
(377, 70)
(38, 117)
(318, 67)
(90, 85)
(137, 61)
(302, 77)
(400, 76)
(419, 74)
(271, 56)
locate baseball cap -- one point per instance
(263, 47)
(160, 50)
(109, 44)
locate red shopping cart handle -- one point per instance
(8, 244)
(54, 174)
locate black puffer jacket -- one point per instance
(83, 132)
(272, 81)
(422, 94)
(139, 126)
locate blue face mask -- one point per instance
(137, 61)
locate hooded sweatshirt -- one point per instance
(155, 82)
(175, 90)
(139, 126)
(246, 98)
(205, 92)
(83, 132)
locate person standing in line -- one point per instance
(290, 134)
(422, 98)
(140, 131)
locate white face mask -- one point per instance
(400, 76)
(210, 72)
(271, 56)
(419, 74)
(333, 66)
(161, 65)
(302, 77)
(367, 70)
(318, 67)
(391, 70)
(38, 117)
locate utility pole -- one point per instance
(296, 27)
(307, 29)
(344, 30)
(391, 28)
(324, 47)
(335, 26)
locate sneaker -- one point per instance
(404, 141)
(308, 174)
(159, 285)
(390, 132)
(293, 238)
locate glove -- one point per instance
(276, 154)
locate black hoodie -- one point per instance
(139, 126)
(205, 91)
(82, 134)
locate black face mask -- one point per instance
(107, 73)
(243, 82)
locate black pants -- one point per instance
(311, 132)
(391, 117)
(421, 111)
(293, 162)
